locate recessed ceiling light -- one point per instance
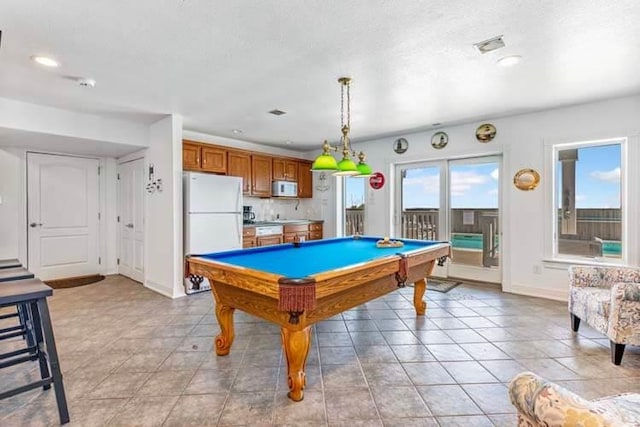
(236, 131)
(277, 112)
(509, 61)
(288, 142)
(45, 60)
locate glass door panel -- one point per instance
(354, 205)
(474, 220)
(457, 201)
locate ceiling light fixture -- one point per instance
(236, 131)
(45, 60)
(509, 61)
(346, 166)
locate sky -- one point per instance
(597, 177)
(476, 185)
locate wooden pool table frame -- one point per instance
(257, 293)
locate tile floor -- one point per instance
(131, 357)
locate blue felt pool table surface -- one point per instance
(313, 257)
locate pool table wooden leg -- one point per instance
(224, 313)
(296, 348)
(419, 288)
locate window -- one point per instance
(588, 201)
(354, 205)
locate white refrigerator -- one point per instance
(212, 217)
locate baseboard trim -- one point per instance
(553, 294)
(156, 287)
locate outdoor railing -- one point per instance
(354, 222)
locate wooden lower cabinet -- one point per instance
(269, 240)
(315, 231)
(249, 237)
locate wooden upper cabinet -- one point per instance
(214, 159)
(239, 164)
(260, 175)
(190, 156)
(285, 170)
(305, 180)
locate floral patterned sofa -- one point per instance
(545, 404)
(608, 300)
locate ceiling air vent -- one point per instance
(492, 44)
(277, 112)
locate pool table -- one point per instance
(297, 285)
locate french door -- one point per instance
(457, 201)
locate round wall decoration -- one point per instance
(526, 179)
(485, 132)
(400, 145)
(377, 181)
(439, 140)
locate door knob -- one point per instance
(129, 225)
(35, 224)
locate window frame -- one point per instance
(628, 206)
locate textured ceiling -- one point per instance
(224, 64)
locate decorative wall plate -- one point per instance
(526, 179)
(439, 140)
(400, 145)
(485, 132)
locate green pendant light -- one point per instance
(325, 161)
(346, 166)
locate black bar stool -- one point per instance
(10, 273)
(32, 294)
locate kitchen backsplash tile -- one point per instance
(269, 209)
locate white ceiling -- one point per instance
(224, 64)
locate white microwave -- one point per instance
(284, 189)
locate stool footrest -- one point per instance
(8, 316)
(11, 328)
(31, 386)
(12, 334)
(18, 360)
(32, 349)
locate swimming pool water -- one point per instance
(474, 241)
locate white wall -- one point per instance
(163, 210)
(11, 204)
(521, 140)
(27, 117)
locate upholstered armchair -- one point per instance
(545, 404)
(608, 300)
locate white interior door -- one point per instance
(131, 219)
(63, 216)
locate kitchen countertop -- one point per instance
(283, 222)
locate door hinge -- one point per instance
(118, 177)
(118, 218)
(99, 170)
(99, 216)
(99, 260)
(118, 261)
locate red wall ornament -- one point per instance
(377, 181)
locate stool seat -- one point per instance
(17, 291)
(15, 273)
(9, 263)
